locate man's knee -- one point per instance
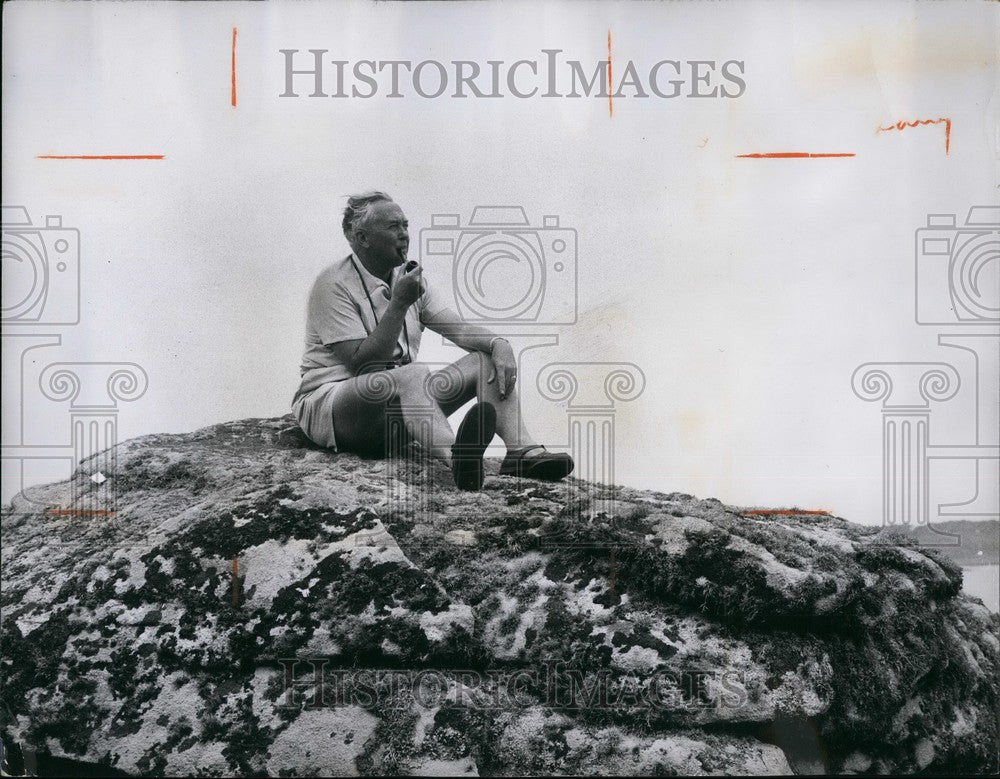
(414, 385)
(483, 363)
(382, 387)
(410, 377)
(455, 383)
(474, 368)
(482, 368)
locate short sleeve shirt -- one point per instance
(346, 303)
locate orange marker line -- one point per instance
(611, 107)
(234, 69)
(767, 512)
(80, 512)
(902, 125)
(790, 155)
(99, 156)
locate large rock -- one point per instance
(257, 605)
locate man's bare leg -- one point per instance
(467, 378)
(359, 413)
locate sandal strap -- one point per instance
(520, 453)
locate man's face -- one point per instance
(385, 234)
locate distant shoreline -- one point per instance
(974, 542)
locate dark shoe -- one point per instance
(474, 435)
(535, 462)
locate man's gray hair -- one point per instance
(358, 209)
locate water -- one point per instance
(983, 581)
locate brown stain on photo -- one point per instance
(611, 107)
(909, 51)
(691, 428)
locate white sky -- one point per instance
(747, 291)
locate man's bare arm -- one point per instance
(471, 337)
(476, 338)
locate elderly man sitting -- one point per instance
(365, 317)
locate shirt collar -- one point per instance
(370, 279)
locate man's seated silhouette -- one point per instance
(365, 317)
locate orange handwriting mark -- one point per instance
(611, 107)
(791, 155)
(234, 69)
(80, 512)
(792, 512)
(902, 125)
(99, 156)
(236, 577)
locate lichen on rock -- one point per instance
(258, 606)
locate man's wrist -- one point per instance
(398, 306)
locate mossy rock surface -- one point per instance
(258, 606)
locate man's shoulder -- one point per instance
(336, 268)
(333, 274)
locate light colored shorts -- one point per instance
(314, 412)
